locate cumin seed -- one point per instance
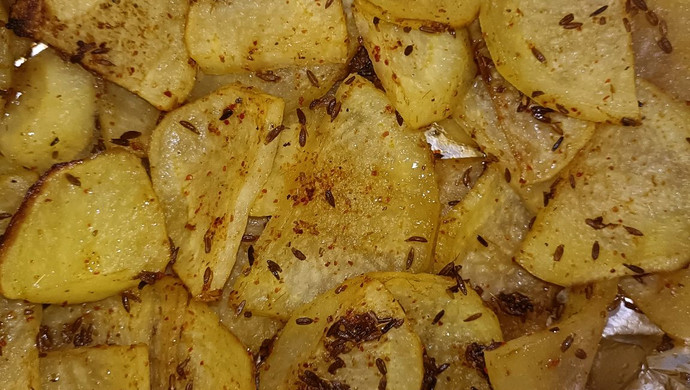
(599, 10)
(298, 254)
(73, 180)
(473, 317)
(633, 231)
(274, 268)
(538, 55)
(187, 125)
(410, 259)
(312, 78)
(416, 239)
(595, 250)
(482, 241)
(438, 316)
(329, 197)
(567, 342)
(558, 253)
(634, 268)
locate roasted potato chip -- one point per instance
(446, 322)
(209, 159)
(664, 298)
(52, 116)
(560, 355)
(428, 14)
(125, 119)
(19, 322)
(229, 36)
(563, 56)
(356, 335)
(136, 45)
(423, 73)
(106, 367)
(662, 45)
(366, 200)
(14, 182)
(617, 210)
(96, 234)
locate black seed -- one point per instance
(119, 142)
(410, 259)
(438, 316)
(250, 255)
(304, 321)
(567, 342)
(376, 21)
(381, 365)
(665, 45)
(350, 80)
(130, 135)
(596, 223)
(54, 141)
(566, 19)
(537, 93)
(599, 10)
(329, 198)
(558, 253)
(416, 239)
(274, 133)
(580, 354)
(473, 317)
(312, 78)
(515, 304)
(558, 143)
(482, 241)
(301, 117)
(302, 136)
(399, 118)
(73, 180)
(595, 250)
(634, 268)
(336, 111)
(208, 278)
(274, 268)
(189, 127)
(227, 113)
(633, 231)
(298, 254)
(408, 49)
(538, 55)
(506, 175)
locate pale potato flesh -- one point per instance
(137, 45)
(454, 13)
(367, 189)
(586, 71)
(105, 367)
(424, 74)
(229, 36)
(52, 117)
(19, 322)
(99, 225)
(632, 178)
(14, 181)
(208, 161)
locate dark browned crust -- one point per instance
(26, 16)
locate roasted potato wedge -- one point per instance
(229, 36)
(106, 367)
(617, 210)
(575, 64)
(19, 323)
(137, 45)
(343, 338)
(96, 234)
(358, 205)
(209, 159)
(52, 117)
(423, 73)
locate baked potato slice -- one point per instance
(51, 117)
(14, 182)
(365, 200)
(19, 324)
(111, 367)
(423, 73)
(562, 354)
(208, 160)
(617, 210)
(230, 36)
(96, 233)
(356, 335)
(565, 56)
(428, 13)
(138, 45)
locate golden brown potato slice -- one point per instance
(447, 322)
(428, 13)
(423, 73)
(229, 36)
(664, 298)
(617, 210)
(136, 45)
(51, 119)
(356, 335)
(581, 65)
(99, 225)
(209, 159)
(106, 367)
(14, 182)
(663, 62)
(125, 119)
(19, 322)
(559, 356)
(366, 200)
(297, 86)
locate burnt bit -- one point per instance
(416, 239)
(567, 342)
(311, 381)
(355, 328)
(515, 304)
(73, 180)
(298, 254)
(431, 371)
(558, 253)
(275, 132)
(274, 268)
(474, 356)
(329, 197)
(148, 277)
(268, 76)
(408, 50)
(361, 64)
(44, 340)
(410, 259)
(187, 125)
(538, 55)
(634, 268)
(597, 223)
